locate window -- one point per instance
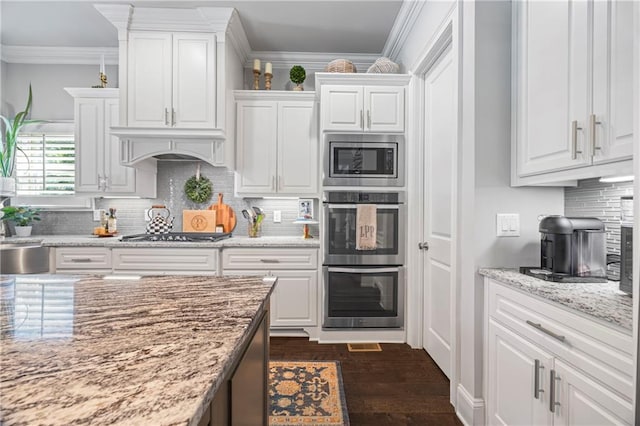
(45, 169)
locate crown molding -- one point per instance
(119, 15)
(313, 62)
(58, 55)
(238, 37)
(406, 19)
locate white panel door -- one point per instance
(552, 85)
(194, 80)
(294, 300)
(257, 145)
(441, 126)
(118, 178)
(342, 108)
(384, 108)
(150, 74)
(612, 138)
(584, 402)
(516, 368)
(297, 148)
(89, 134)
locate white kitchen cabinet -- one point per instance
(294, 300)
(172, 80)
(572, 105)
(277, 143)
(98, 168)
(82, 260)
(378, 109)
(165, 261)
(545, 365)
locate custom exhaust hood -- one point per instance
(139, 145)
(176, 69)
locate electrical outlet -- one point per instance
(146, 215)
(97, 214)
(277, 216)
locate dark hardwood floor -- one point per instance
(398, 386)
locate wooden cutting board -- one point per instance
(225, 215)
(198, 221)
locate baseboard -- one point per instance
(470, 410)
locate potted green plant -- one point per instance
(23, 217)
(9, 146)
(297, 75)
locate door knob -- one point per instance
(423, 246)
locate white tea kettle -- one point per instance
(160, 220)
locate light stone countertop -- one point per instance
(603, 301)
(95, 241)
(120, 352)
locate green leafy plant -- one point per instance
(10, 139)
(297, 74)
(22, 216)
(198, 190)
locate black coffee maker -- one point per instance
(572, 249)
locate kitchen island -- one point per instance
(155, 350)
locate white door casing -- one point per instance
(440, 153)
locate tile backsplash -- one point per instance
(592, 198)
(171, 178)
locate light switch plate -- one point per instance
(507, 225)
(97, 214)
(277, 216)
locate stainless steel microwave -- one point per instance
(363, 160)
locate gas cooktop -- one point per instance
(179, 236)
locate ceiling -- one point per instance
(288, 26)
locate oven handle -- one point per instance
(353, 206)
(363, 270)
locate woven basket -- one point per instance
(340, 65)
(385, 66)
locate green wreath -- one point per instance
(198, 190)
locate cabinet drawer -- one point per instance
(83, 258)
(166, 261)
(601, 351)
(269, 259)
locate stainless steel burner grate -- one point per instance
(179, 236)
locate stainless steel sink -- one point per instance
(23, 258)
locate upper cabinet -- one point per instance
(98, 168)
(572, 111)
(172, 80)
(372, 103)
(277, 143)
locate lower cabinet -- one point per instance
(547, 366)
(87, 260)
(295, 298)
(165, 261)
(241, 399)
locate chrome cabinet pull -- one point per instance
(105, 182)
(362, 119)
(552, 391)
(546, 331)
(423, 246)
(173, 117)
(269, 260)
(574, 139)
(273, 182)
(369, 119)
(280, 182)
(81, 259)
(166, 116)
(536, 379)
(592, 132)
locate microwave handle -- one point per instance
(353, 206)
(364, 270)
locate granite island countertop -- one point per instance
(603, 301)
(95, 241)
(80, 350)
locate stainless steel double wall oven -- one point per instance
(363, 288)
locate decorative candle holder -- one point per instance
(267, 81)
(256, 80)
(103, 81)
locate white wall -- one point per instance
(485, 97)
(50, 101)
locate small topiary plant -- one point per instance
(297, 74)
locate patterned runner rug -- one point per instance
(306, 393)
